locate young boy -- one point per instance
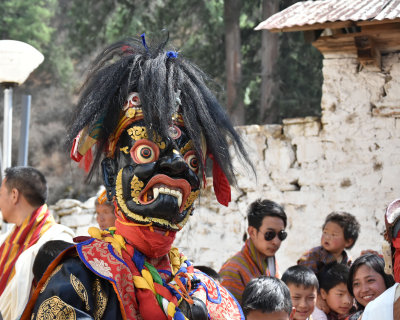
(303, 286)
(333, 288)
(267, 298)
(340, 231)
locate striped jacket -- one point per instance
(245, 265)
(316, 258)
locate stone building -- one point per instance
(345, 160)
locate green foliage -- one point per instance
(86, 22)
(195, 27)
(70, 32)
(251, 59)
(298, 71)
(67, 31)
(27, 21)
(299, 75)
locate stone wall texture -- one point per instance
(345, 160)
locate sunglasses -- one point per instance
(269, 235)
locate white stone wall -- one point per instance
(79, 216)
(347, 160)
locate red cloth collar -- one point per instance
(152, 243)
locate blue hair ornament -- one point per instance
(144, 41)
(172, 54)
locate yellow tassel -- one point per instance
(95, 233)
(140, 282)
(171, 309)
(149, 279)
(116, 245)
(120, 240)
(117, 241)
(176, 259)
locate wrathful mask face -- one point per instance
(156, 181)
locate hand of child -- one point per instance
(321, 304)
(371, 251)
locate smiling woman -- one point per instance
(367, 280)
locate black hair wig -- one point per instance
(157, 75)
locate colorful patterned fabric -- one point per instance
(355, 316)
(221, 304)
(242, 267)
(317, 257)
(69, 290)
(20, 239)
(98, 260)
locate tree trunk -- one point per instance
(235, 105)
(269, 56)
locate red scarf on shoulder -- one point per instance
(20, 239)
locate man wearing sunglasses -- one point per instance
(267, 223)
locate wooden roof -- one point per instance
(322, 14)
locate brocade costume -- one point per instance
(99, 283)
(245, 265)
(17, 254)
(151, 122)
(316, 258)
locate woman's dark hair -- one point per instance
(374, 262)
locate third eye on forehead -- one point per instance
(174, 132)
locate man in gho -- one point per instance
(151, 122)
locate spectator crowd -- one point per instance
(325, 284)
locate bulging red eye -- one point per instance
(144, 151)
(192, 161)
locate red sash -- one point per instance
(23, 237)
